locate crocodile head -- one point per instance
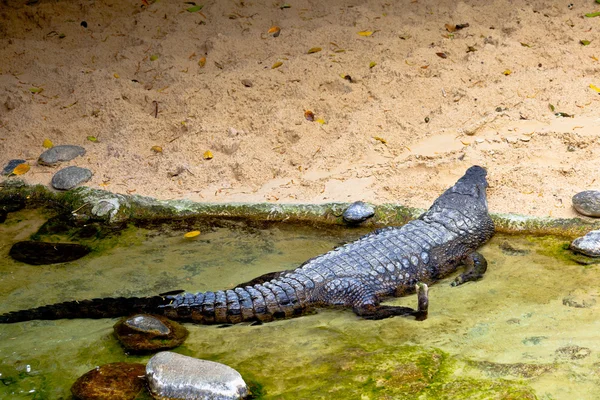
(473, 183)
(467, 194)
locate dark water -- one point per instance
(515, 334)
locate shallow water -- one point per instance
(507, 336)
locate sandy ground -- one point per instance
(398, 122)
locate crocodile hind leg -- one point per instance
(476, 265)
(374, 311)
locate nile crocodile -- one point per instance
(392, 261)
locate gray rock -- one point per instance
(68, 178)
(147, 324)
(358, 212)
(57, 154)
(587, 203)
(12, 164)
(173, 376)
(588, 244)
(105, 207)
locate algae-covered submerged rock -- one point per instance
(43, 253)
(116, 381)
(173, 376)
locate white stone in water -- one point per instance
(588, 244)
(173, 376)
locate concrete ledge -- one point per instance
(114, 208)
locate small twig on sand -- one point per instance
(155, 108)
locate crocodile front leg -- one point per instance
(374, 311)
(476, 265)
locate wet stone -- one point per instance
(68, 178)
(147, 324)
(57, 154)
(173, 376)
(44, 253)
(587, 203)
(573, 352)
(588, 244)
(11, 165)
(144, 333)
(116, 381)
(358, 212)
(510, 250)
(579, 299)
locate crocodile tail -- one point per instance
(95, 308)
(261, 302)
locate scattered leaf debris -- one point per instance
(320, 120)
(21, 169)
(154, 57)
(92, 138)
(442, 55)
(380, 139)
(507, 72)
(247, 82)
(372, 64)
(36, 90)
(551, 107)
(48, 144)
(194, 9)
(285, 5)
(564, 115)
(471, 49)
(454, 28)
(348, 78)
(191, 234)
(585, 42)
(277, 65)
(525, 44)
(274, 31)
(595, 88)
(314, 50)
(156, 149)
(365, 33)
(309, 115)
(208, 155)
(593, 14)
(202, 61)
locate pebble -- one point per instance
(44, 253)
(68, 178)
(173, 376)
(12, 164)
(60, 153)
(588, 244)
(587, 203)
(116, 381)
(358, 212)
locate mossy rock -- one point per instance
(116, 381)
